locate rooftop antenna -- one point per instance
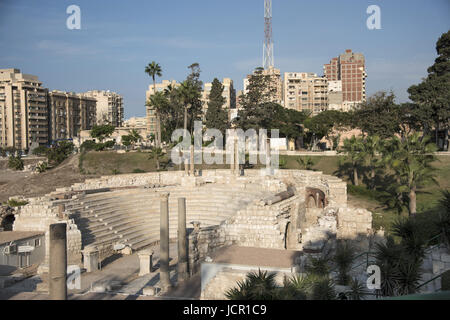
(268, 42)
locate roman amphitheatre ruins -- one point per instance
(291, 213)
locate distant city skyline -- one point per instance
(117, 40)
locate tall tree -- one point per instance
(216, 115)
(257, 110)
(153, 70)
(433, 94)
(379, 115)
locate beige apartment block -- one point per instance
(23, 110)
(109, 107)
(135, 122)
(229, 93)
(70, 113)
(335, 96)
(150, 112)
(305, 92)
(275, 83)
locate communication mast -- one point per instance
(268, 42)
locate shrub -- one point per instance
(40, 151)
(16, 203)
(15, 163)
(58, 153)
(42, 167)
(88, 145)
(344, 257)
(138, 171)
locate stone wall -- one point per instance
(436, 262)
(38, 215)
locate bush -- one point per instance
(344, 257)
(88, 145)
(42, 167)
(59, 152)
(16, 203)
(15, 163)
(138, 171)
(40, 151)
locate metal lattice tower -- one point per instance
(268, 42)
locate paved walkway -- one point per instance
(119, 275)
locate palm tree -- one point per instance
(256, 286)
(154, 69)
(371, 148)
(158, 102)
(156, 154)
(411, 160)
(354, 148)
(188, 93)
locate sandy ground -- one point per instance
(18, 183)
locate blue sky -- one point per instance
(118, 38)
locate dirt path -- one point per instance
(34, 185)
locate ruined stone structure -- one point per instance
(291, 209)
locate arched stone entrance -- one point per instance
(7, 222)
(315, 198)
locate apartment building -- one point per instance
(135, 122)
(305, 92)
(276, 83)
(349, 68)
(109, 107)
(23, 110)
(150, 112)
(69, 114)
(229, 93)
(335, 98)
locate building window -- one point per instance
(37, 242)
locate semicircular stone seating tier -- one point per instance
(131, 216)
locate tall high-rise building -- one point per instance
(150, 112)
(349, 68)
(70, 113)
(305, 92)
(23, 110)
(109, 107)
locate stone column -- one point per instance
(192, 170)
(237, 168)
(145, 262)
(164, 242)
(186, 167)
(90, 259)
(61, 209)
(182, 245)
(58, 262)
(232, 154)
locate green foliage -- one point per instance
(443, 223)
(132, 138)
(344, 258)
(216, 115)
(400, 269)
(115, 172)
(357, 289)
(42, 167)
(256, 286)
(156, 154)
(322, 288)
(101, 132)
(306, 163)
(16, 203)
(40, 151)
(138, 171)
(432, 95)
(354, 149)
(319, 266)
(15, 162)
(323, 124)
(59, 152)
(88, 145)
